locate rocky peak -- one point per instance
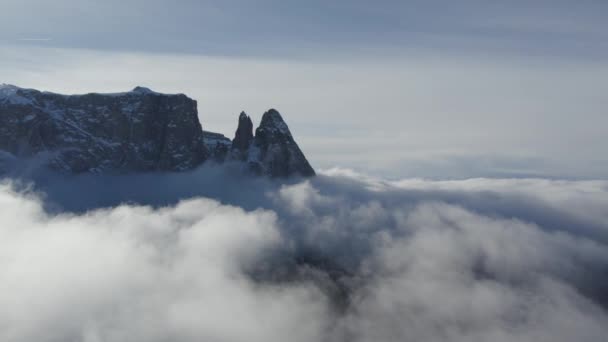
(276, 152)
(272, 126)
(139, 130)
(244, 133)
(272, 151)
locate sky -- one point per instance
(434, 89)
(460, 195)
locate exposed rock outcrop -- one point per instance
(136, 131)
(140, 130)
(274, 151)
(244, 133)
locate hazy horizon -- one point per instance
(397, 89)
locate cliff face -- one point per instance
(274, 151)
(135, 131)
(244, 133)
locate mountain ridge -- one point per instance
(137, 131)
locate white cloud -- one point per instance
(137, 274)
(458, 276)
(341, 257)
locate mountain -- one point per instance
(136, 131)
(274, 151)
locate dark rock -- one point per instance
(217, 145)
(134, 131)
(244, 133)
(274, 151)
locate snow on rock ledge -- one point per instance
(132, 131)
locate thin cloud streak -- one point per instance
(548, 29)
(496, 118)
(35, 39)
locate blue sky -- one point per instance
(445, 89)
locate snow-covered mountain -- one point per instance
(135, 131)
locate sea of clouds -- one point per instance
(212, 256)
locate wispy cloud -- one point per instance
(35, 39)
(270, 28)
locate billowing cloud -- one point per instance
(341, 257)
(138, 274)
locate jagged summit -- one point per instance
(272, 151)
(136, 131)
(273, 123)
(244, 133)
(279, 154)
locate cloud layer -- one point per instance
(498, 117)
(271, 27)
(342, 257)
